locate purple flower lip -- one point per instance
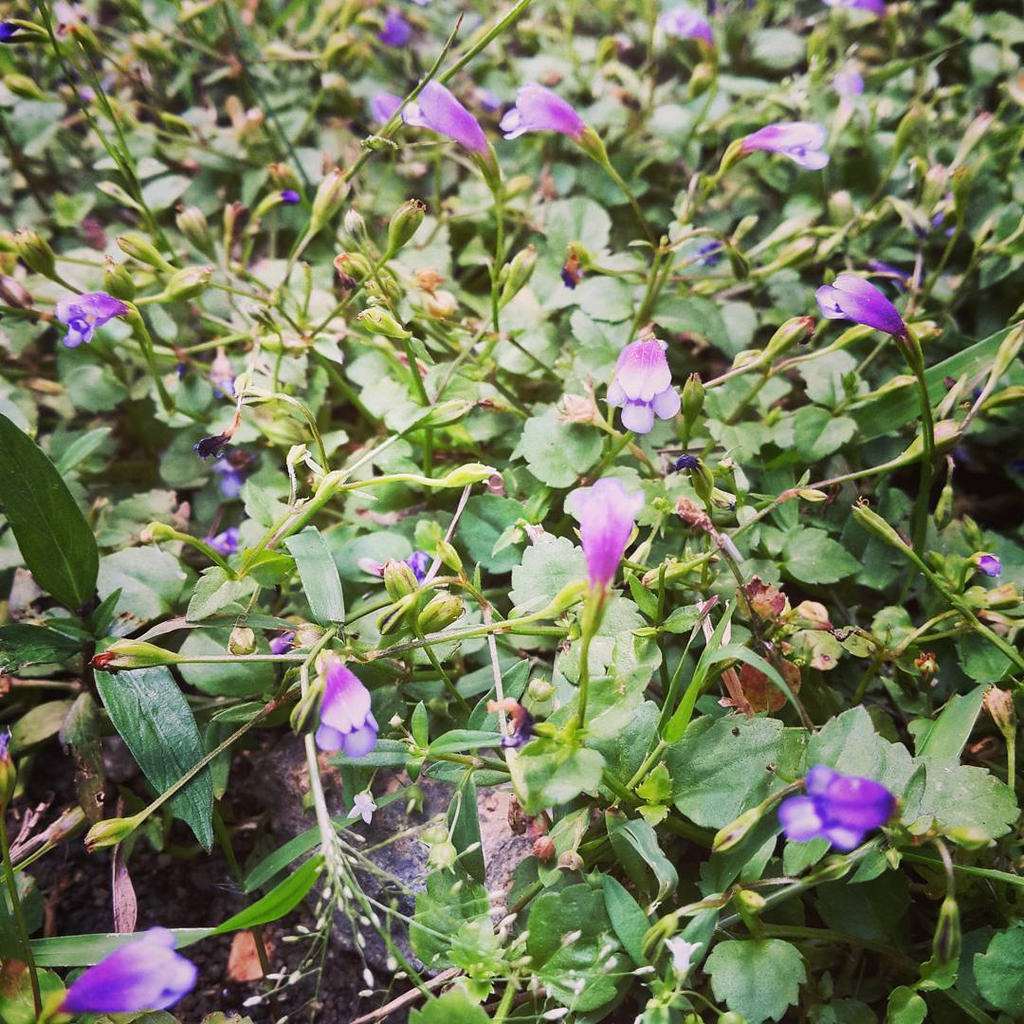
(988, 564)
(142, 975)
(84, 313)
(8, 31)
(839, 808)
(396, 31)
(540, 110)
(282, 644)
(346, 721)
(290, 196)
(687, 462)
(642, 386)
(383, 106)
(874, 6)
(850, 297)
(606, 515)
(419, 562)
(437, 108)
(801, 141)
(848, 83)
(226, 542)
(686, 24)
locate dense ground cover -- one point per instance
(642, 443)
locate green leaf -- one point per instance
(628, 919)
(454, 1007)
(22, 644)
(558, 453)
(157, 724)
(216, 591)
(485, 519)
(812, 556)
(960, 796)
(759, 978)
(319, 575)
(38, 724)
(949, 733)
(817, 433)
(281, 900)
(998, 972)
(16, 1000)
(86, 950)
(905, 1006)
(550, 772)
(547, 568)
(464, 828)
(32, 909)
(52, 534)
(636, 847)
(449, 902)
(150, 582)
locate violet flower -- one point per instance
(848, 84)
(8, 30)
(226, 542)
(850, 297)
(710, 254)
(839, 808)
(84, 313)
(437, 108)
(801, 141)
(346, 721)
(396, 31)
(606, 514)
(419, 562)
(143, 975)
(231, 479)
(900, 278)
(988, 564)
(540, 110)
(874, 6)
(642, 385)
(383, 106)
(290, 196)
(283, 644)
(686, 24)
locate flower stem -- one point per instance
(919, 527)
(593, 612)
(19, 917)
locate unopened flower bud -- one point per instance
(795, 329)
(142, 249)
(23, 86)
(947, 939)
(543, 848)
(470, 473)
(736, 831)
(305, 716)
(380, 321)
(440, 305)
(307, 635)
(701, 79)
(405, 222)
(999, 704)
(354, 224)
(752, 902)
(518, 272)
(242, 641)
(906, 130)
(393, 617)
(192, 224)
(187, 283)
(540, 690)
(353, 268)
(970, 837)
(442, 856)
(570, 861)
(692, 400)
(110, 832)
(154, 533)
(330, 194)
(449, 556)
(413, 800)
(440, 612)
(34, 251)
(124, 654)
(399, 579)
(283, 177)
(14, 293)
(117, 281)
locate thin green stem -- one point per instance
(19, 916)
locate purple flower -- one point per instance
(848, 83)
(397, 31)
(839, 808)
(710, 254)
(686, 24)
(5, 740)
(900, 278)
(346, 721)
(282, 644)
(231, 479)
(84, 313)
(143, 975)
(419, 562)
(687, 462)
(606, 514)
(801, 141)
(642, 385)
(850, 297)
(437, 109)
(540, 110)
(290, 196)
(8, 31)
(227, 542)
(874, 6)
(487, 99)
(383, 106)
(988, 564)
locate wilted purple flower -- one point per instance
(686, 24)
(850, 297)
(801, 141)
(143, 975)
(540, 110)
(874, 6)
(397, 31)
(520, 720)
(8, 30)
(642, 385)
(437, 108)
(383, 106)
(419, 562)
(213, 445)
(290, 196)
(282, 644)
(606, 514)
(848, 83)
(227, 542)
(346, 721)
(84, 313)
(839, 808)
(988, 564)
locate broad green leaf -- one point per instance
(32, 909)
(550, 772)
(449, 902)
(759, 978)
(16, 1005)
(454, 1007)
(157, 724)
(636, 847)
(949, 733)
(54, 539)
(547, 567)
(905, 1006)
(86, 950)
(964, 797)
(628, 919)
(998, 971)
(281, 900)
(812, 556)
(22, 644)
(216, 592)
(558, 453)
(38, 724)
(320, 580)
(484, 521)
(149, 580)
(463, 823)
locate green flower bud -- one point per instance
(540, 690)
(413, 800)
(353, 268)
(305, 716)
(8, 772)
(795, 329)
(187, 283)
(330, 194)
(449, 556)
(518, 272)
(393, 617)
(907, 129)
(142, 249)
(110, 832)
(701, 79)
(117, 281)
(192, 224)
(23, 86)
(242, 641)
(282, 177)
(380, 321)
(442, 856)
(947, 939)
(440, 611)
(154, 533)
(34, 251)
(876, 524)
(693, 399)
(470, 473)
(752, 902)
(404, 224)
(969, 837)
(123, 654)
(732, 1017)
(737, 830)
(399, 579)
(14, 293)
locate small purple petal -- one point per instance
(848, 83)
(7, 31)
(282, 644)
(419, 562)
(397, 31)
(686, 24)
(227, 542)
(290, 196)
(852, 298)
(874, 6)
(5, 741)
(642, 386)
(988, 564)
(799, 819)
(437, 108)
(383, 106)
(540, 110)
(231, 479)
(84, 313)
(801, 141)
(606, 515)
(361, 741)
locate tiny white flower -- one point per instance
(682, 952)
(363, 806)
